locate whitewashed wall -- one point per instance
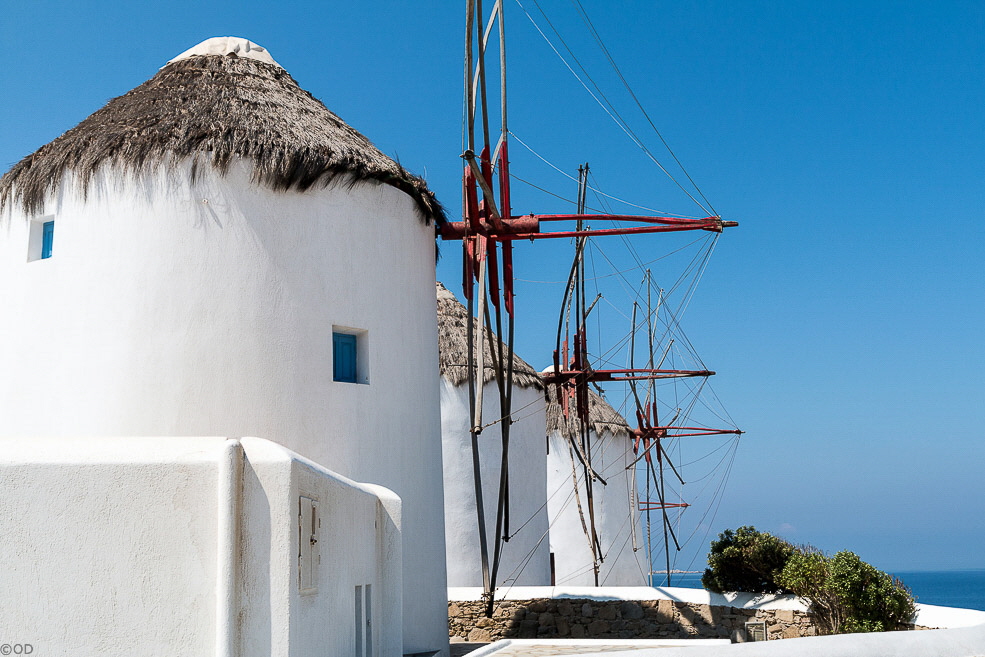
(137, 546)
(616, 518)
(526, 557)
(169, 309)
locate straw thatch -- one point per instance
(602, 417)
(213, 109)
(453, 350)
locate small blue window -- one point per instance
(344, 357)
(47, 237)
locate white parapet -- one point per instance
(199, 546)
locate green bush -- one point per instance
(845, 594)
(746, 560)
(807, 574)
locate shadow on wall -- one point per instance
(616, 619)
(256, 561)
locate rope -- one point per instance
(615, 67)
(595, 189)
(600, 97)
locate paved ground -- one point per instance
(533, 649)
(549, 651)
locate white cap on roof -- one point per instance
(226, 45)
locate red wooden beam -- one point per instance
(661, 432)
(657, 506)
(528, 226)
(621, 375)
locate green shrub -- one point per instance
(846, 594)
(746, 560)
(807, 575)
(873, 600)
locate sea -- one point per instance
(946, 588)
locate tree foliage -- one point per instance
(807, 574)
(746, 560)
(873, 600)
(844, 594)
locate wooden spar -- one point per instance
(528, 226)
(475, 401)
(488, 223)
(482, 218)
(482, 74)
(469, 89)
(475, 248)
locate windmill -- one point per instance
(487, 232)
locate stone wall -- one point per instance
(579, 618)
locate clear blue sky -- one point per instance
(844, 316)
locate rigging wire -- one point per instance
(615, 67)
(600, 97)
(595, 189)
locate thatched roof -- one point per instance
(603, 418)
(453, 347)
(214, 108)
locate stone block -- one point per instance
(586, 610)
(598, 628)
(485, 622)
(546, 620)
(631, 610)
(527, 629)
(578, 632)
(784, 615)
(607, 612)
(562, 627)
(478, 635)
(565, 608)
(701, 614)
(538, 606)
(791, 632)
(453, 609)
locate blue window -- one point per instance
(48, 234)
(344, 357)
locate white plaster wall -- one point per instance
(526, 557)
(616, 518)
(114, 546)
(358, 543)
(171, 309)
(106, 552)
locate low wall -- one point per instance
(615, 619)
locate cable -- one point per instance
(615, 67)
(604, 102)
